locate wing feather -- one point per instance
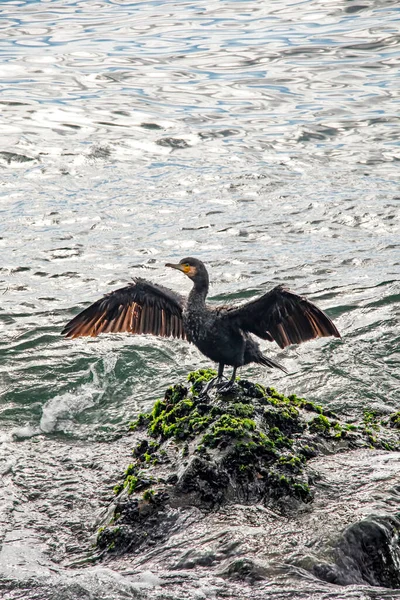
(122, 316)
(283, 316)
(141, 307)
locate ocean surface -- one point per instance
(264, 139)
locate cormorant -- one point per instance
(222, 333)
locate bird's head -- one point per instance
(193, 268)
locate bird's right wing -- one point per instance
(283, 316)
(141, 307)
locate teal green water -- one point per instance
(262, 138)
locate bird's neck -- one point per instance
(198, 294)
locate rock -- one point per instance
(200, 451)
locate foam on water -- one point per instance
(59, 412)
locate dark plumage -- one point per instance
(222, 333)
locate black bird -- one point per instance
(222, 333)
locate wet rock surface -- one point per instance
(197, 453)
(368, 552)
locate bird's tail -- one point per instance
(268, 362)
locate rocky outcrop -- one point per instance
(199, 451)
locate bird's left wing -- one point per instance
(283, 316)
(141, 307)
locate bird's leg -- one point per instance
(226, 387)
(214, 380)
(220, 371)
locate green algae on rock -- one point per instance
(199, 451)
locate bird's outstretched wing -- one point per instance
(282, 316)
(141, 307)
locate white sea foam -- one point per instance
(60, 410)
(26, 431)
(65, 407)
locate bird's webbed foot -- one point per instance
(225, 386)
(214, 382)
